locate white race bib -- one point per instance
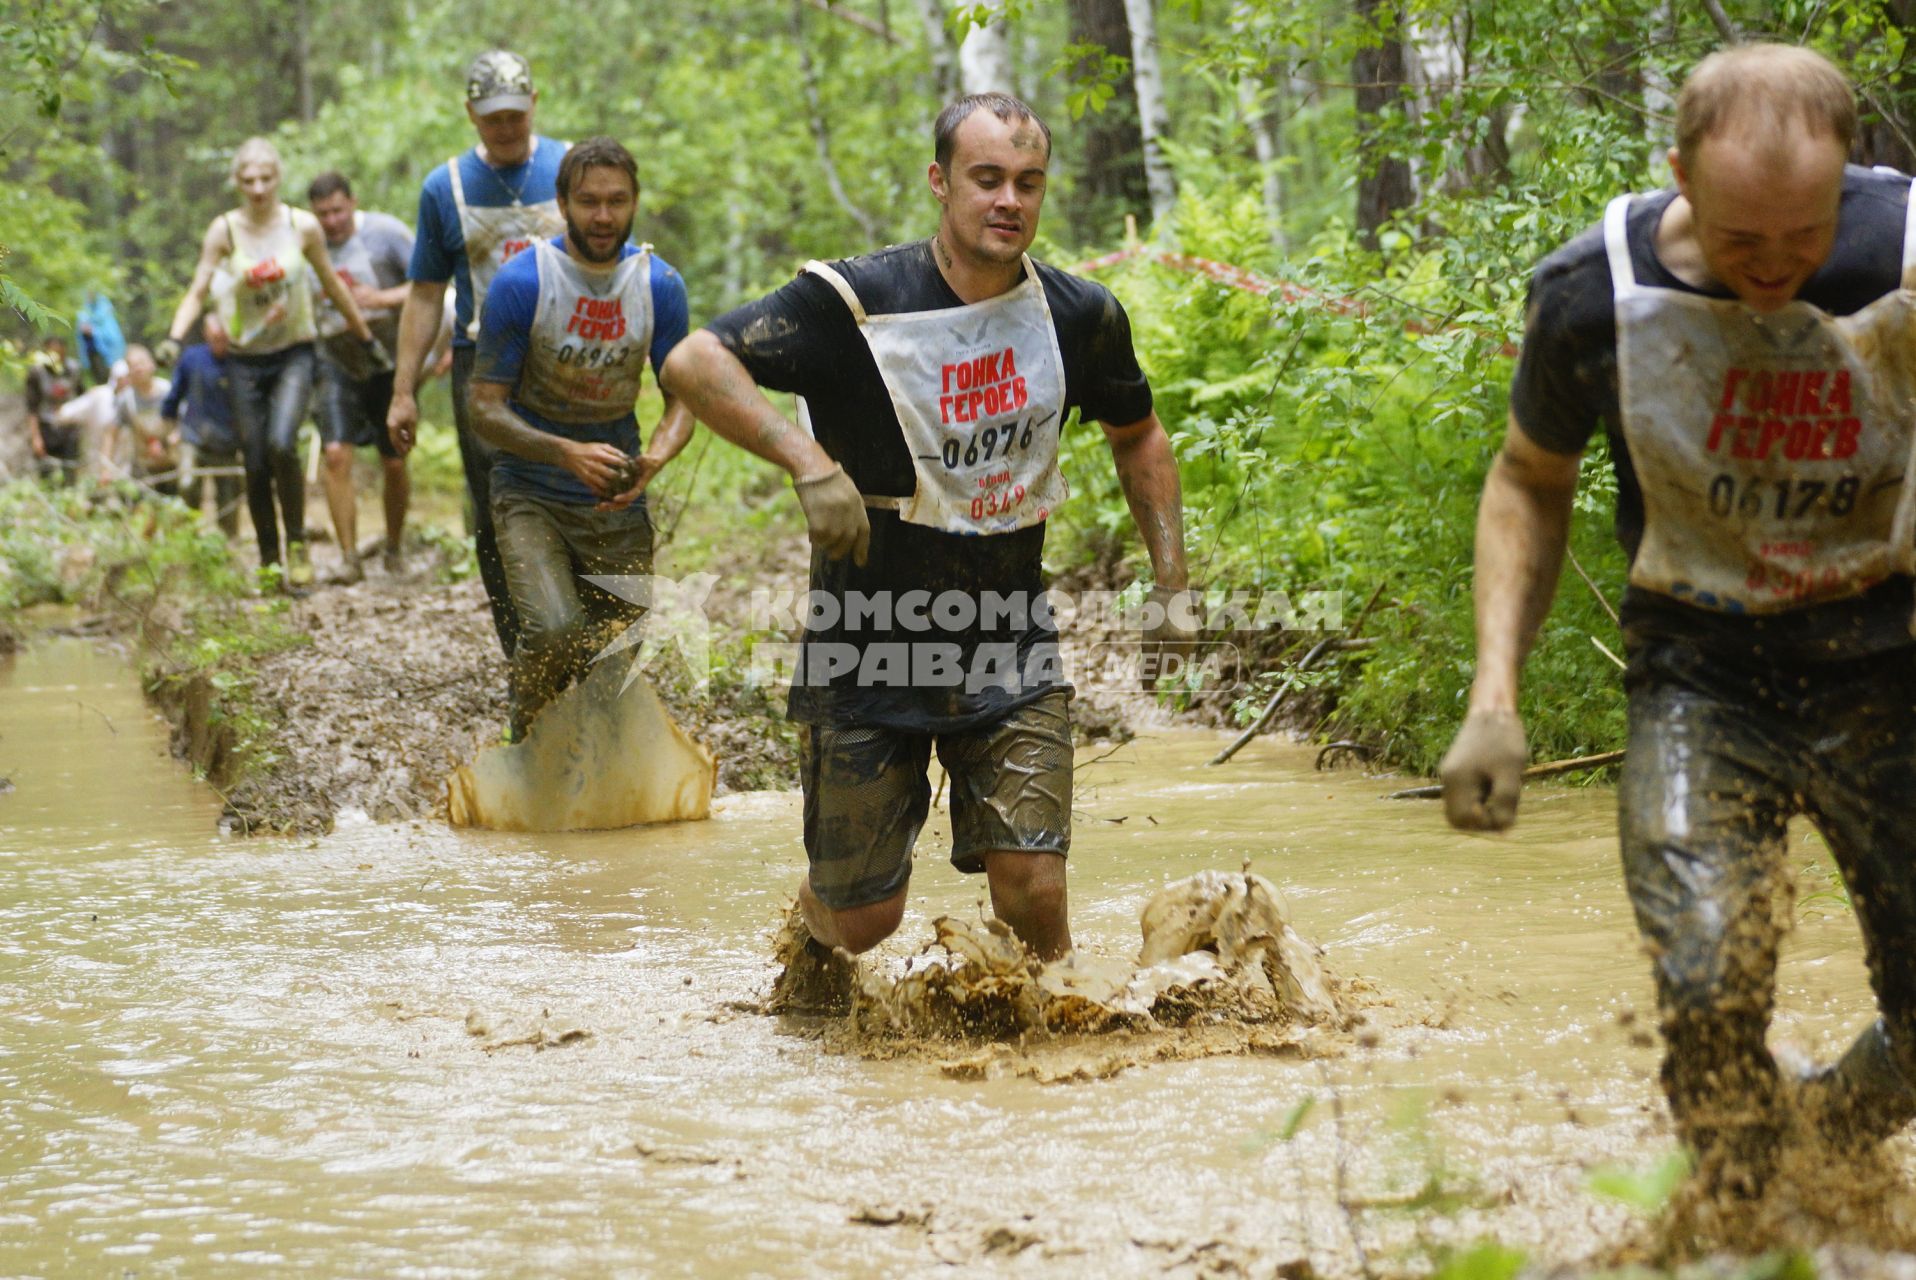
(591, 336)
(1773, 450)
(495, 233)
(980, 396)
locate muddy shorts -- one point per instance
(353, 410)
(867, 795)
(1720, 758)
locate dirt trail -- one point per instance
(404, 680)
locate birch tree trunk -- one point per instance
(984, 59)
(1253, 101)
(944, 70)
(1153, 123)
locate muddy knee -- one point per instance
(862, 928)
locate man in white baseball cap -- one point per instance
(475, 212)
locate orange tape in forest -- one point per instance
(1247, 281)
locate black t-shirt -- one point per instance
(50, 384)
(803, 339)
(1566, 385)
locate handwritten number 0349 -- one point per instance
(985, 444)
(1780, 499)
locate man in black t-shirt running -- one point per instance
(1745, 344)
(935, 379)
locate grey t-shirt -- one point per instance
(382, 246)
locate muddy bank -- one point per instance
(403, 680)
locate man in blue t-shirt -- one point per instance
(565, 333)
(476, 212)
(197, 409)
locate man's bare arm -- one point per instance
(711, 382)
(418, 326)
(597, 465)
(1148, 474)
(1523, 526)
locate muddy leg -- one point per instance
(1028, 893)
(338, 476)
(857, 929)
(1702, 817)
(1864, 803)
(552, 620)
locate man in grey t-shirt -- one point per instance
(370, 252)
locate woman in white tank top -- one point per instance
(251, 263)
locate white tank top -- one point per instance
(494, 233)
(269, 304)
(591, 336)
(1773, 450)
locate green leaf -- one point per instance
(1645, 1190)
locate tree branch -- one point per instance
(821, 134)
(858, 20)
(1724, 27)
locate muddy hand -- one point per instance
(402, 421)
(166, 352)
(631, 481)
(1171, 619)
(600, 466)
(1482, 772)
(835, 514)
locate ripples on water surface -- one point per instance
(223, 1056)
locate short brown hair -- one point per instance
(599, 152)
(1007, 108)
(1776, 84)
(330, 183)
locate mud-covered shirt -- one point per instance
(505, 339)
(803, 339)
(1566, 386)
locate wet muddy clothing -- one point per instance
(805, 339)
(1721, 755)
(376, 256)
(466, 205)
(268, 306)
(546, 548)
(1739, 721)
(572, 343)
(352, 411)
(867, 797)
(1567, 385)
(475, 459)
(271, 396)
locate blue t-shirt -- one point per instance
(199, 383)
(505, 336)
(439, 251)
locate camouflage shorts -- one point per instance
(867, 795)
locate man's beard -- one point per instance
(579, 242)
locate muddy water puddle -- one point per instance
(404, 1050)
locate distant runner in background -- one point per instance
(475, 212)
(53, 378)
(370, 252)
(567, 331)
(197, 410)
(264, 247)
(139, 402)
(97, 327)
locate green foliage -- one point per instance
(1485, 1261)
(1648, 1191)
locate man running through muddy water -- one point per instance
(936, 377)
(564, 336)
(475, 212)
(1743, 341)
(371, 252)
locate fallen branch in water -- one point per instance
(1550, 770)
(1327, 645)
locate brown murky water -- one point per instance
(355, 1056)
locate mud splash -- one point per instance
(1220, 971)
(602, 756)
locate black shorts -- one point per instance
(353, 410)
(866, 796)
